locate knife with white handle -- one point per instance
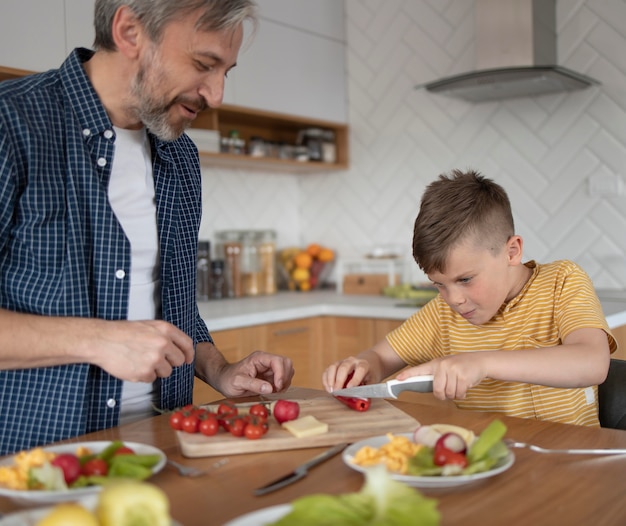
(300, 472)
(389, 389)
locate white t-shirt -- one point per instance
(131, 195)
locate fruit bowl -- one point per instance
(305, 269)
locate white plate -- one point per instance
(46, 496)
(434, 481)
(260, 517)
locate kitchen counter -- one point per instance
(244, 312)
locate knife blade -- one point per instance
(300, 472)
(389, 389)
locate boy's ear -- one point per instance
(127, 32)
(514, 249)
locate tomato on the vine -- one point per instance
(254, 431)
(227, 408)
(176, 420)
(237, 426)
(208, 426)
(259, 410)
(190, 423)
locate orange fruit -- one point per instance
(313, 250)
(325, 255)
(300, 275)
(303, 260)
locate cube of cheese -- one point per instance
(307, 426)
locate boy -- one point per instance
(525, 339)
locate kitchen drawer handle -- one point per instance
(295, 330)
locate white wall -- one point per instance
(542, 150)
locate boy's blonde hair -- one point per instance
(457, 207)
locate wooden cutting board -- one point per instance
(344, 425)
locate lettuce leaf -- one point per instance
(381, 501)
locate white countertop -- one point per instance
(244, 312)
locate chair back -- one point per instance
(612, 396)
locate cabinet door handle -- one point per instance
(295, 330)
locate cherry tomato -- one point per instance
(253, 431)
(209, 426)
(95, 467)
(237, 427)
(176, 420)
(227, 408)
(259, 410)
(191, 423)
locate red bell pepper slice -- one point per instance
(358, 404)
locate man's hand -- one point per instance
(257, 373)
(140, 351)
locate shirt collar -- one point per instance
(82, 96)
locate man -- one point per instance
(100, 192)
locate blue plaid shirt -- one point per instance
(63, 252)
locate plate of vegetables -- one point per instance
(72, 471)
(436, 456)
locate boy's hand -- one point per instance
(452, 375)
(334, 377)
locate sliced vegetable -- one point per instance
(490, 436)
(426, 435)
(453, 442)
(356, 403)
(69, 464)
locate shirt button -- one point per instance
(120, 274)
(108, 134)
(111, 403)
(86, 132)
(102, 162)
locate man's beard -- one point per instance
(153, 109)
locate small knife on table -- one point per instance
(389, 389)
(300, 472)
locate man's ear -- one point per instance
(514, 249)
(127, 32)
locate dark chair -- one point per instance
(612, 396)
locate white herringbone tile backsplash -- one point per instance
(542, 150)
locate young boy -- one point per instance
(525, 339)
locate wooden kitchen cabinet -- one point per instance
(347, 336)
(299, 340)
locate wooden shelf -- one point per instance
(270, 126)
(7, 73)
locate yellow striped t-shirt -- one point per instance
(557, 299)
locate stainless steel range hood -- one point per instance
(516, 55)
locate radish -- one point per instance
(452, 442)
(426, 435)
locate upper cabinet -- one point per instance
(296, 62)
(289, 77)
(32, 34)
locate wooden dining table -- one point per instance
(538, 489)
